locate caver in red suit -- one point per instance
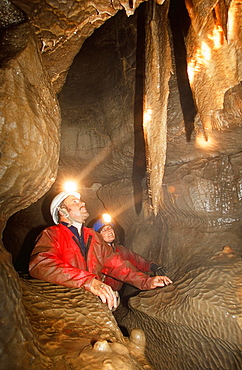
(58, 258)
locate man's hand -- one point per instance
(105, 292)
(159, 281)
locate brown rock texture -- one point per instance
(213, 55)
(62, 27)
(29, 131)
(173, 183)
(158, 67)
(17, 341)
(196, 322)
(75, 330)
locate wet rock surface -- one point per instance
(30, 119)
(18, 346)
(196, 322)
(62, 27)
(74, 330)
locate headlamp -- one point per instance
(104, 220)
(69, 186)
(106, 217)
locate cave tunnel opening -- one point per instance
(102, 112)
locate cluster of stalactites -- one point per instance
(214, 54)
(214, 51)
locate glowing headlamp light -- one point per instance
(69, 186)
(106, 217)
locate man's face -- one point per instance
(108, 233)
(76, 208)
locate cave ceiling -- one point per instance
(63, 26)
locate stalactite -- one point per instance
(158, 67)
(212, 59)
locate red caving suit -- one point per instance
(57, 258)
(135, 259)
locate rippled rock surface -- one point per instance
(74, 330)
(196, 322)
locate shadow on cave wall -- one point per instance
(22, 260)
(23, 228)
(180, 23)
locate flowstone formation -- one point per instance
(30, 123)
(74, 330)
(183, 205)
(196, 322)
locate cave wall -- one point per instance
(30, 119)
(202, 189)
(30, 122)
(62, 27)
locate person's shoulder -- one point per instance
(90, 231)
(120, 247)
(54, 228)
(93, 233)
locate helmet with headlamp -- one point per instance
(104, 220)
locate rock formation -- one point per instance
(139, 101)
(194, 323)
(73, 329)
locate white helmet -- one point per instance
(54, 207)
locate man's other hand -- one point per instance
(105, 292)
(159, 281)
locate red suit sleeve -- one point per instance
(123, 270)
(138, 261)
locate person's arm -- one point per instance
(138, 261)
(124, 271)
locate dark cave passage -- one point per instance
(180, 23)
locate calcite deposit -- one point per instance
(141, 103)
